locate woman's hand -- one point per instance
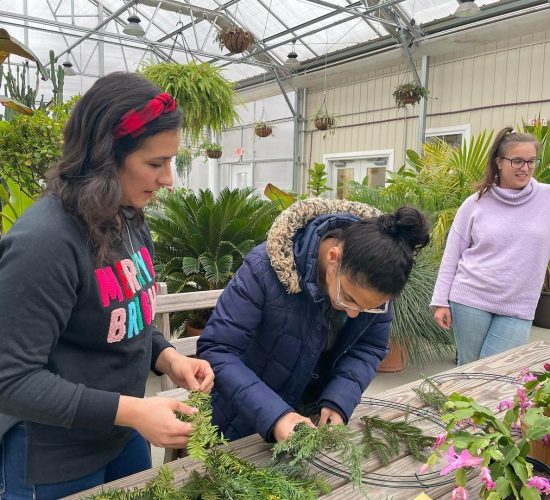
(190, 373)
(285, 425)
(330, 416)
(442, 316)
(155, 420)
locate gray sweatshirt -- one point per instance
(74, 338)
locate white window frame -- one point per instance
(241, 165)
(465, 130)
(330, 158)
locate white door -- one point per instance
(241, 176)
(369, 171)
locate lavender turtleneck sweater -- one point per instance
(497, 252)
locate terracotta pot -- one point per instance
(191, 331)
(395, 361)
(542, 314)
(263, 131)
(237, 41)
(213, 154)
(539, 451)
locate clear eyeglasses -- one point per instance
(518, 163)
(338, 300)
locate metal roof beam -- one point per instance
(354, 12)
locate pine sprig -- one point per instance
(307, 442)
(434, 397)
(205, 435)
(393, 434)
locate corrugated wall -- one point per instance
(487, 87)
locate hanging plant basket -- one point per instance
(213, 153)
(235, 39)
(409, 93)
(324, 122)
(263, 130)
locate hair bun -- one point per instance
(412, 227)
(387, 224)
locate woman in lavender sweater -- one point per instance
(497, 251)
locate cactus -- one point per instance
(58, 80)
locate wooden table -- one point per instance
(395, 480)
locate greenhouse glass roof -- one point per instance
(90, 34)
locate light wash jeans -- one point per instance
(133, 458)
(479, 334)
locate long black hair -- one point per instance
(379, 252)
(85, 179)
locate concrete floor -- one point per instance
(382, 382)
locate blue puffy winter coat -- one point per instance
(264, 343)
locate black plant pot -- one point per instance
(538, 468)
(542, 314)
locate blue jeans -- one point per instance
(134, 458)
(479, 334)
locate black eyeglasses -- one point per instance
(518, 163)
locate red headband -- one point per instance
(133, 122)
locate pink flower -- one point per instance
(459, 493)
(486, 479)
(505, 405)
(440, 439)
(546, 366)
(546, 440)
(528, 377)
(540, 483)
(524, 402)
(455, 461)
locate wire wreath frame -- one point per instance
(432, 479)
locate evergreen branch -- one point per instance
(434, 397)
(307, 442)
(394, 433)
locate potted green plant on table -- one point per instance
(478, 438)
(234, 38)
(201, 240)
(409, 93)
(263, 129)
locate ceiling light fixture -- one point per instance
(133, 27)
(466, 8)
(292, 62)
(68, 66)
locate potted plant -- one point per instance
(212, 149)
(322, 119)
(263, 129)
(409, 93)
(542, 313)
(206, 98)
(201, 240)
(477, 438)
(234, 38)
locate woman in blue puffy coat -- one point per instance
(305, 321)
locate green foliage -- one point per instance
(205, 435)
(200, 241)
(204, 96)
(14, 202)
(409, 93)
(210, 146)
(542, 133)
(184, 161)
(394, 433)
(281, 199)
(30, 145)
(317, 184)
(307, 442)
(432, 396)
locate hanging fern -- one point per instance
(393, 434)
(204, 96)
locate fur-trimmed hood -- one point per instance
(280, 239)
